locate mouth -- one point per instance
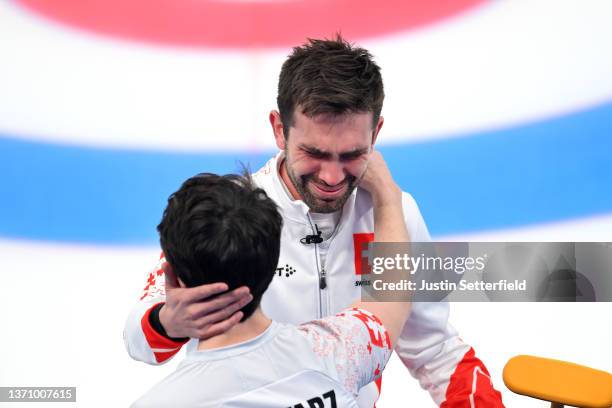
(327, 192)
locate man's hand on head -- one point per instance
(198, 312)
(379, 181)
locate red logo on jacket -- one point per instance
(360, 244)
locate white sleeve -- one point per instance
(142, 342)
(353, 345)
(430, 347)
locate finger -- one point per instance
(203, 308)
(222, 327)
(201, 292)
(224, 313)
(171, 281)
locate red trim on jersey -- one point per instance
(151, 279)
(359, 240)
(470, 386)
(160, 356)
(150, 282)
(157, 341)
(378, 383)
(375, 338)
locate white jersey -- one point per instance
(306, 287)
(320, 364)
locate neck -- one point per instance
(244, 331)
(282, 170)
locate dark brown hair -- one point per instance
(222, 229)
(329, 76)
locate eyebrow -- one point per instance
(354, 153)
(325, 155)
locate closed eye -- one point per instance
(315, 153)
(352, 155)
(345, 157)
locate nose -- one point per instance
(332, 173)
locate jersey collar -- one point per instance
(234, 349)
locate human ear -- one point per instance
(277, 129)
(381, 120)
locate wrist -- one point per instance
(159, 321)
(162, 318)
(390, 195)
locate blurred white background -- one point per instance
(498, 119)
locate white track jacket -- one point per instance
(303, 290)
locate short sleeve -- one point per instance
(353, 344)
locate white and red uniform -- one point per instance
(318, 280)
(321, 364)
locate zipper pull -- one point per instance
(322, 281)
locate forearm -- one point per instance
(142, 337)
(389, 226)
(141, 340)
(443, 364)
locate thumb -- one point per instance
(171, 279)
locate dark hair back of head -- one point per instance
(329, 76)
(222, 229)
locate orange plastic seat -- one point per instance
(559, 382)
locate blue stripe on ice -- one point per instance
(551, 170)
